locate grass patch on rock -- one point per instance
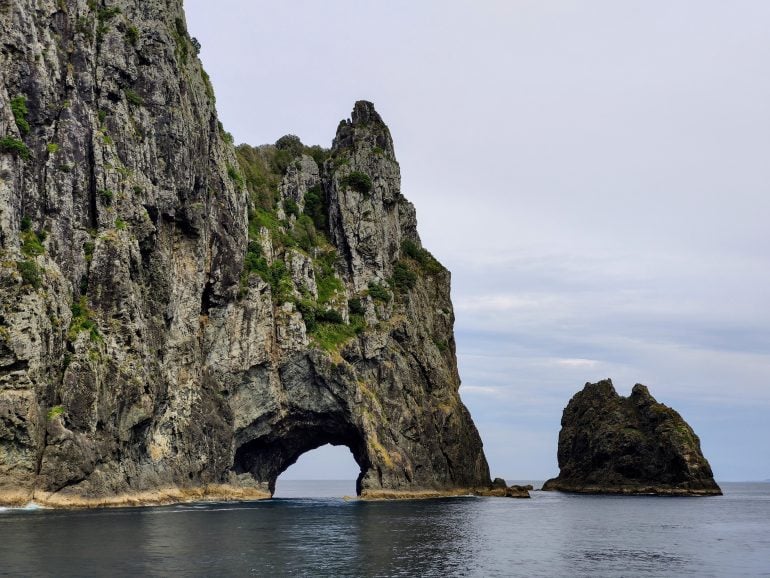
(82, 320)
(30, 273)
(32, 243)
(358, 181)
(14, 146)
(20, 112)
(331, 336)
(55, 412)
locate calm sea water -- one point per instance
(550, 535)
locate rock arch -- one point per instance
(406, 436)
(266, 457)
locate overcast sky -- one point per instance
(595, 174)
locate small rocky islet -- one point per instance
(610, 444)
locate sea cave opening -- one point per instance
(328, 447)
(326, 472)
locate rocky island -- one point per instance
(181, 318)
(611, 444)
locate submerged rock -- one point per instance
(518, 491)
(501, 489)
(178, 319)
(611, 444)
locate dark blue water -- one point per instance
(550, 535)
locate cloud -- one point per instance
(496, 304)
(582, 363)
(480, 390)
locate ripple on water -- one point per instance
(550, 535)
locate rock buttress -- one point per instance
(361, 350)
(165, 332)
(628, 445)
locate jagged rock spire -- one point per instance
(364, 129)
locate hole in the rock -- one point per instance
(327, 472)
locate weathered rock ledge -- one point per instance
(494, 491)
(628, 490)
(229, 493)
(157, 497)
(611, 444)
(384, 495)
(501, 489)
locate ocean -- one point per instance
(311, 530)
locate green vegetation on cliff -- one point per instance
(54, 412)
(286, 226)
(378, 292)
(30, 273)
(422, 257)
(329, 336)
(14, 146)
(404, 278)
(357, 181)
(82, 320)
(20, 112)
(261, 181)
(32, 243)
(315, 207)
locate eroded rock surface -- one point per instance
(628, 445)
(501, 489)
(176, 320)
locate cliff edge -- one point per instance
(611, 444)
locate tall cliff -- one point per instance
(177, 320)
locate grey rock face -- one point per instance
(628, 445)
(368, 225)
(137, 353)
(300, 176)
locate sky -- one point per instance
(595, 174)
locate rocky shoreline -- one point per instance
(226, 493)
(486, 492)
(157, 497)
(629, 490)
